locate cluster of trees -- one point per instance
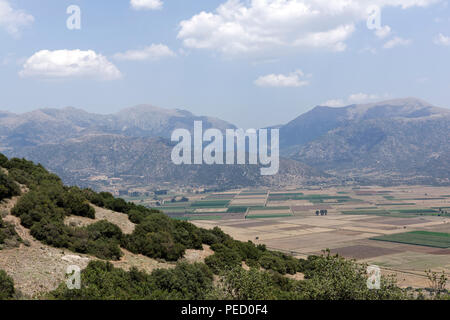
(183, 199)
(229, 253)
(44, 208)
(8, 188)
(327, 278)
(136, 213)
(158, 236)
(101, 281)
(332, 277)
(43, 211)
(321, 212)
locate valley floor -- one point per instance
(354, 218)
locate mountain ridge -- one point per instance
(388, 142)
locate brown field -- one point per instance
(349, 234)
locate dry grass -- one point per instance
(117, 218)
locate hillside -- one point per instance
(146, 161)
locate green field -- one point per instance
(420, 238)
(210, 204)
(369, 212)
(253, 194)
(198, 218)
(396, 204)
(237, 209)
(395, 213)
(266, 216)
(271, 208)
(415, 211)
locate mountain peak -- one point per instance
(403, 102)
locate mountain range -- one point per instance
(389, 142)
(396, 141)
(57, 125)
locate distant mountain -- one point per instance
(403, 140)
(146, 161)
(57, 125)
(320, 120)
(389, 142)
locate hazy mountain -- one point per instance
(57, 125)
(395, 141)
(386, 141)
(320, 120)
(146, 161)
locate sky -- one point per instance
(254, 63)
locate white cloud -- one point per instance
(395, 42)
(69, 64)
(292, 79)
(146, 4)
(383, 32)
(152, 53)
(239, 26)
(355, 98)
(442, 40)
(11, 19)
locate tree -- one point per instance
(331, 277)
(240, 284)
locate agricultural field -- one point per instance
(421, 238)
(404, 230)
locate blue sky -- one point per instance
(254, 63)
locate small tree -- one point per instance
(437, 282)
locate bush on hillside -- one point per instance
(6, 286)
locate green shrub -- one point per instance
(223, 258)
(3, 160)
(7, 231)
(8, 188)
(239, 284)
(6, 286)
